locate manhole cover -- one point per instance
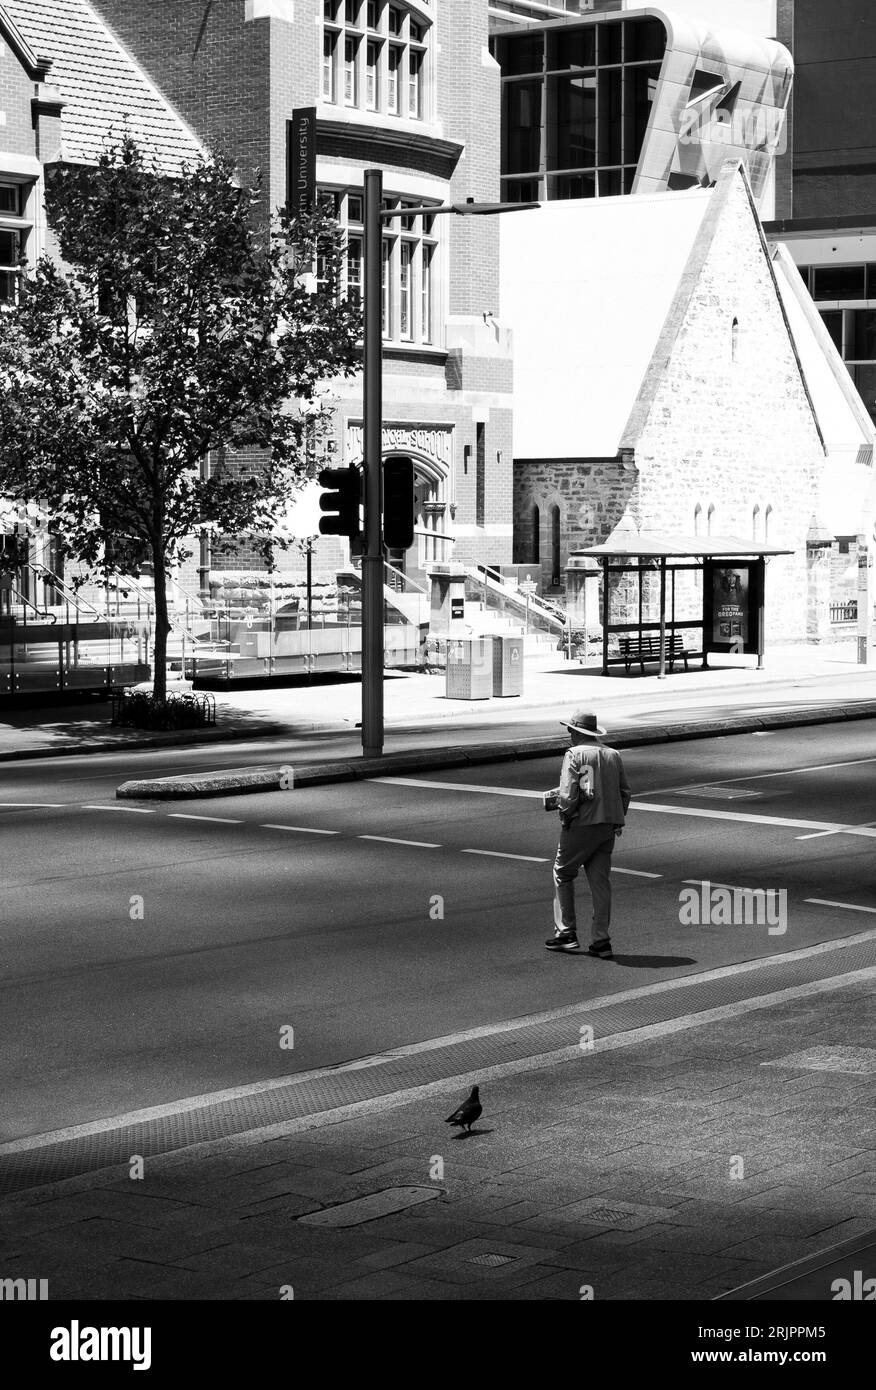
(372, 1207)
(490, 1261)
(854, 1061)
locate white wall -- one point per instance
(754, 16)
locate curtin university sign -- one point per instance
(301, 161)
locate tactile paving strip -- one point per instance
(385, 1075)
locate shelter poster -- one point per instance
(730, 603)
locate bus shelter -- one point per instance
(730, 617)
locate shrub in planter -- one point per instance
(141, 710)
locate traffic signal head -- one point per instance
(340, 502)
(398, 503)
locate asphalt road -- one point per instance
(153, 953)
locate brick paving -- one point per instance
(673, 1169)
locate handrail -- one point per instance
(406, 577)
(27, 603)
(525, 601)
(69, 595)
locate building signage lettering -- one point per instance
(432, 442)
(301, 160)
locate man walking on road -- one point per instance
(592, 800)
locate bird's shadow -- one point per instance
(470, 1133)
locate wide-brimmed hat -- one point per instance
(583, 722)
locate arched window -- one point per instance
(555, 546)
(709, 516)
(755, 516)
(734, 341)
(698, 512)
(536, 536)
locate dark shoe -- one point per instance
(563, 941)
(602, 951)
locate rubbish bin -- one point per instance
(469, 671)
(507, 665)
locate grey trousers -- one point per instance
(587, 847)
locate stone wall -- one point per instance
(730, 428)
(592, 496)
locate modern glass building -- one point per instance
(607, 104)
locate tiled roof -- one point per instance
(104, 88)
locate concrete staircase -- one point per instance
(483, 622)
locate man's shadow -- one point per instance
(652, 962)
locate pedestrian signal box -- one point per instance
(398, 503)
(340, 501)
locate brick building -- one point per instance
(407, 86)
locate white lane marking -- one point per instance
(456, 787)
(131, 810)
(214, 820)
(538, 1062)
(821, 834)
(31, 805)
(389, 840)
(849, 907)
(299, 829)
(703, 814)
(497, 854)
(697, 811)
(762, 776)
(701, 882)
(636, 873)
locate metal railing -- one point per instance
(509, 597)
(844, 612)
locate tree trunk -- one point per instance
(162, 622)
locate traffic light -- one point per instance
(398, 503)
(340, 502)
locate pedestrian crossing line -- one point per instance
(634, 873)
(498, 854)
(389, 840)
(849, 907)
(299, 829)
(213, 820)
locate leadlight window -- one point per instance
(376, 57)
(410, 250)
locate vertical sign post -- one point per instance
(372, 559)
(301, 161)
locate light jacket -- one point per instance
(612, 792)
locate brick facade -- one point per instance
(236, 72)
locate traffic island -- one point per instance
(286, 777)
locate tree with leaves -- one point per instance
(181, 321)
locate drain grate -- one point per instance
(619, 1216)
(853, 1061)
(490, 1261)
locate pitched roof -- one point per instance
(102, 85)
(586, 290)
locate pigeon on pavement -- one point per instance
(468, 1112)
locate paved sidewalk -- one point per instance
(675, 1168)
(320, 720)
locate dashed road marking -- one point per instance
(389, 840)
(635, 873)
(299, 829)
(497, 854)
(456, 787)
(131, 810)
(849, 907)
(31, 805)
(213, 820)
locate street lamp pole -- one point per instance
(372, 410)
(372, 559)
